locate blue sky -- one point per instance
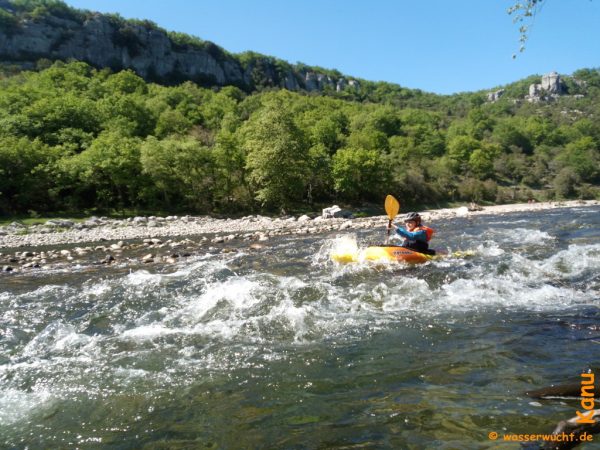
(440, 46)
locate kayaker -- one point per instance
(416, 235)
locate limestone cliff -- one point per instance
(156, 55)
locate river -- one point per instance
(283, 348)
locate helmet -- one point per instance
(413, 216)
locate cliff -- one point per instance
(54, 31)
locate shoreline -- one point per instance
(94, 230)
(143, 240)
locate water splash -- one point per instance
(151, 333)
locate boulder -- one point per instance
(336, 212)
(148, 258)
(462, 211)
(329, 212)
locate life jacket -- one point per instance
(428, 231)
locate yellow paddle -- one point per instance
(392, 208)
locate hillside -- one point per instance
(48, 29)
(77, 136)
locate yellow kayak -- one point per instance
(385, 253)
(389, 253)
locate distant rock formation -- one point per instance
(551, 87)
(318, 81)
(106, 41)
(341, 85)
(493, 96)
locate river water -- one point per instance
(283, 348)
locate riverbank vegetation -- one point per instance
(73, 138)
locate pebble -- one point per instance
(167, 230)
(108, 259)
(148, 258)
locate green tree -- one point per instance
(479, 123)
(171, 122)
(385, 120)
(509, 136)
(411, 184)
(24, 182)
(460, 149)
(232, 191)
(328, 133)
(358, 173)
(126, 114)
(47, 117)
(182, 170)
(320, 180)
(109, 171)
(583, 158)
(481, 161)
(565, 182)
(126, 82)
(277, 155)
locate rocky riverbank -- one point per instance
(144, 240)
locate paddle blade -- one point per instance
(392, 207)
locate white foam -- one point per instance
(521, 236)
(16, 405)
(142, 278)
(489, 248)
(491, 291)
(147, 332)
(238, 293)
(207, 317)
(57, 337)
(573, 261)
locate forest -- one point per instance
(76, 138)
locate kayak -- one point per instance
(383, 253)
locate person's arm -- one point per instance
(419, 235)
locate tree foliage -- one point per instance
(277, 156)
(74, 137)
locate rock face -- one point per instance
(103, 42)
(493, 96)
(551, 83)
(319, 82)
(550, 87)
(106, 41)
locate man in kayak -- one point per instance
(416, 236)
